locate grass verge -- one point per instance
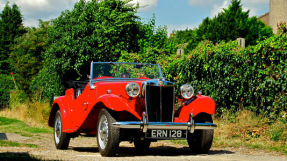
(7, 143)
(9, 125)
(244, 129)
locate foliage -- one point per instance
(91, 31)
(183, 36)
(6, 85)
(154, 39)
(254, 77)
(48, 82)
(27, 55)
(17, 97)
(10, 27)
(228, 25)
(153, 43)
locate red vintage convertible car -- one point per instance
(131, 102)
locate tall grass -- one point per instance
(33, 111)
(244, 128)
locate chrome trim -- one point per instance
(160, 103)
(91, 73)
(155, 82)
(143, 88)
(145, 102)
(164, 125)
(181, 91)
(144, 125)
(126, 88)
(173, 103)
(160, 72)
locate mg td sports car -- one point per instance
(131, 102)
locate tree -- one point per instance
(28, 54)
(229, 25)
(10, 27)
(91, 31)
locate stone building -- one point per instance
(277, 13)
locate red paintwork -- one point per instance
(202, 104)
(81, 114)
(104, 77)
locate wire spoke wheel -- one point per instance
(61, 139)
(57, 129)
(103, 131)
(108, 137)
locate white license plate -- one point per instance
(166, 134)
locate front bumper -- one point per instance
(144, 125)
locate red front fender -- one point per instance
(202, 104)
(62, 104)
(117, 103)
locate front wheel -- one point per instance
(108, 137)
(201, 140)
(61, 139)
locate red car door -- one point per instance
(79, 110)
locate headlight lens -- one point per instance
(133, 89)
(186, 91)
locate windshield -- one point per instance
(125, 70)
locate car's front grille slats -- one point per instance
(159, 103)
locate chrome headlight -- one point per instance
(133, 89)
(186, 91)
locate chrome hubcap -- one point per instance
(103, 132)
(57, 129)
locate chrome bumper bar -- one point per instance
(190, 126)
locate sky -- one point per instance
(175, 14)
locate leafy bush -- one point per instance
(6, 85)
(48, 83)
(235, 77)
(153, 43)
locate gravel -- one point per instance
(83, 148)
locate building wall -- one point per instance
(278, 12)
(265, 18)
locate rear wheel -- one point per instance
(142, 145)
(201, 140)
(108, 137)
(61, 139)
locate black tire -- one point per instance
(201, 140)
(142, 145)
(108, 141)
(61, 139)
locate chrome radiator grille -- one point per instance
(159, 103)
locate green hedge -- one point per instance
(254, 78)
